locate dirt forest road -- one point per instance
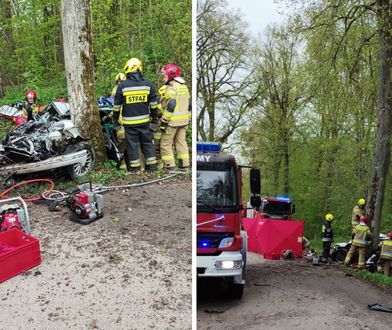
(128, 270)
(294, 295)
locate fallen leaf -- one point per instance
(115, 218)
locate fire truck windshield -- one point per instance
(217, 189)
(276, 207)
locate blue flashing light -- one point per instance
(204, 244)
(284, 198)
(208, 147)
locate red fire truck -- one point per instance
(221, 242)
(280, 207)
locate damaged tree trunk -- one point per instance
(79, 66)
(382, 152)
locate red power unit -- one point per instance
(18, 253)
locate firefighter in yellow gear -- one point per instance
(359, 242)
(358, 211)
(385, 259)
(120, 132)
(119, 78)
(155, 126)
(175, 118)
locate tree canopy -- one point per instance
(318, 125)
(31, 45)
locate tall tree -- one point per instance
(7, 45)
(382, 154)
(79, 65)
(223, 71)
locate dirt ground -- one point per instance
(293, 295)
(128, 270)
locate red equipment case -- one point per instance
(18, 253)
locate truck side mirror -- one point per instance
(255, 186)
(255, 201)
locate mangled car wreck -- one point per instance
(51, 141)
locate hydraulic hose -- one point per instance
(30, 199)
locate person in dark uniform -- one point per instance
(327, 237)
(136, 99)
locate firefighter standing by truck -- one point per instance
(361, 237)
(385, 259)
(358, 211)
(120, 132)
(175, 117)
(136, 99)
(327, 237)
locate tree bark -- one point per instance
(6, 13)
(79, 66)
(382, 152)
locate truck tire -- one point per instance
(78, 170)
(235, 290)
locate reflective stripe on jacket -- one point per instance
(137, 96)
(177, 92)
(386, 250)
(360, 234)
(327, 232)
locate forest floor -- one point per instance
(293, 295)
(128, 270)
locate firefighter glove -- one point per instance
(163, 127)
(154, 125)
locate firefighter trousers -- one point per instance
(361, 255)
(176, 136)
(157, 144)
(384, 266)
(140, 135)
(326, 250)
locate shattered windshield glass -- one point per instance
(216, 189)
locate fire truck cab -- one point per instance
(221, 242)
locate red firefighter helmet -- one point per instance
(171, 71)
(31, 93)
(389, 235)
(364, 218)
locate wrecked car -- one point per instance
(49, 142)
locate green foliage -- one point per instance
(158, 32)
(314, 126)
(376, 278)
(6, 125)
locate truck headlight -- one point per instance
(226, 242)
(228, 264)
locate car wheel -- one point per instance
(78, 170)
(341, 255)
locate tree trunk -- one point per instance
(2, 89)
(211, 117)
(286, 162)
(79, 66)
(382, 152)
(7, 32)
